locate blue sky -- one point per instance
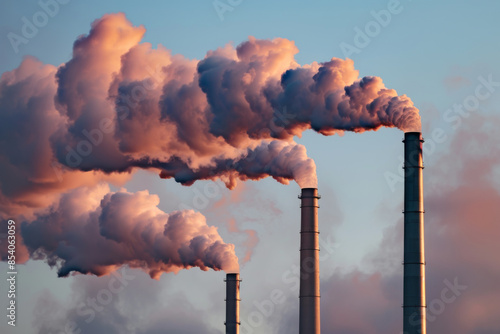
(433, 52)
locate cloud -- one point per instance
(455, 82)
(112, 304)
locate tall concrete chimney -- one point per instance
(232, 304)
(414, 306)
(309, 321)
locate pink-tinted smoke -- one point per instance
(120, 104)
(94, 231)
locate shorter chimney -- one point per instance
(232, 304)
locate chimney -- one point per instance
(414, 306)
(309, 321)
(232, 304)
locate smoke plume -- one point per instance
(95, 231)
(119, 104)
(30, 176)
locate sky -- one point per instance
(443, 56)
